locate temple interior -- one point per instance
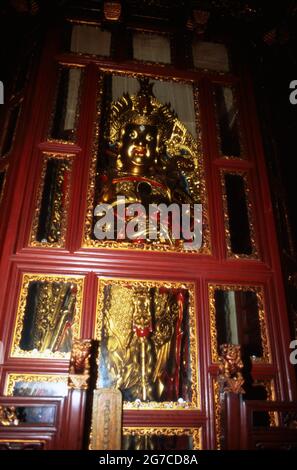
(148, 294)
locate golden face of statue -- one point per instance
(139, 147)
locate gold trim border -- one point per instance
(250, 213)
(16, 351)
(60, 67)
(259, 291)
(12, 378)
(270, 388)
(239, 126)
(195, 433)
(217, 414)
(193, 338)
(35, 221)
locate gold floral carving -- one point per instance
(118, 312)
(180, 138)
(218, 414)
(13, 379)
(8, 416)
(79, 368)
(251, 219)
(261, 312)
(60, 204)
(167, 432)
(49, 327)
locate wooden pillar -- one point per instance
(74, 422)
(231, 412)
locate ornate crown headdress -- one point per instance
(142, 108)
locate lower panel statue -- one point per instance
(146, 332)
(48, 316)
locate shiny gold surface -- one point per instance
(51, 318)
(125, 337)
(230, 366)
(60, 203)
(12, 379)
(177, 140)
(251, 218)
(168, 431)
(261, 312)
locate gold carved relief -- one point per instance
(148, 342)
(185, 153)
(53, 321)
(217, 413)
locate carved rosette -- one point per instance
(230, 366)
(79, 367)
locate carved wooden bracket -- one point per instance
(79, 367)
(112, 10)
(230, 366)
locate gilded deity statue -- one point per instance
(151, 159)
(144, 350)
